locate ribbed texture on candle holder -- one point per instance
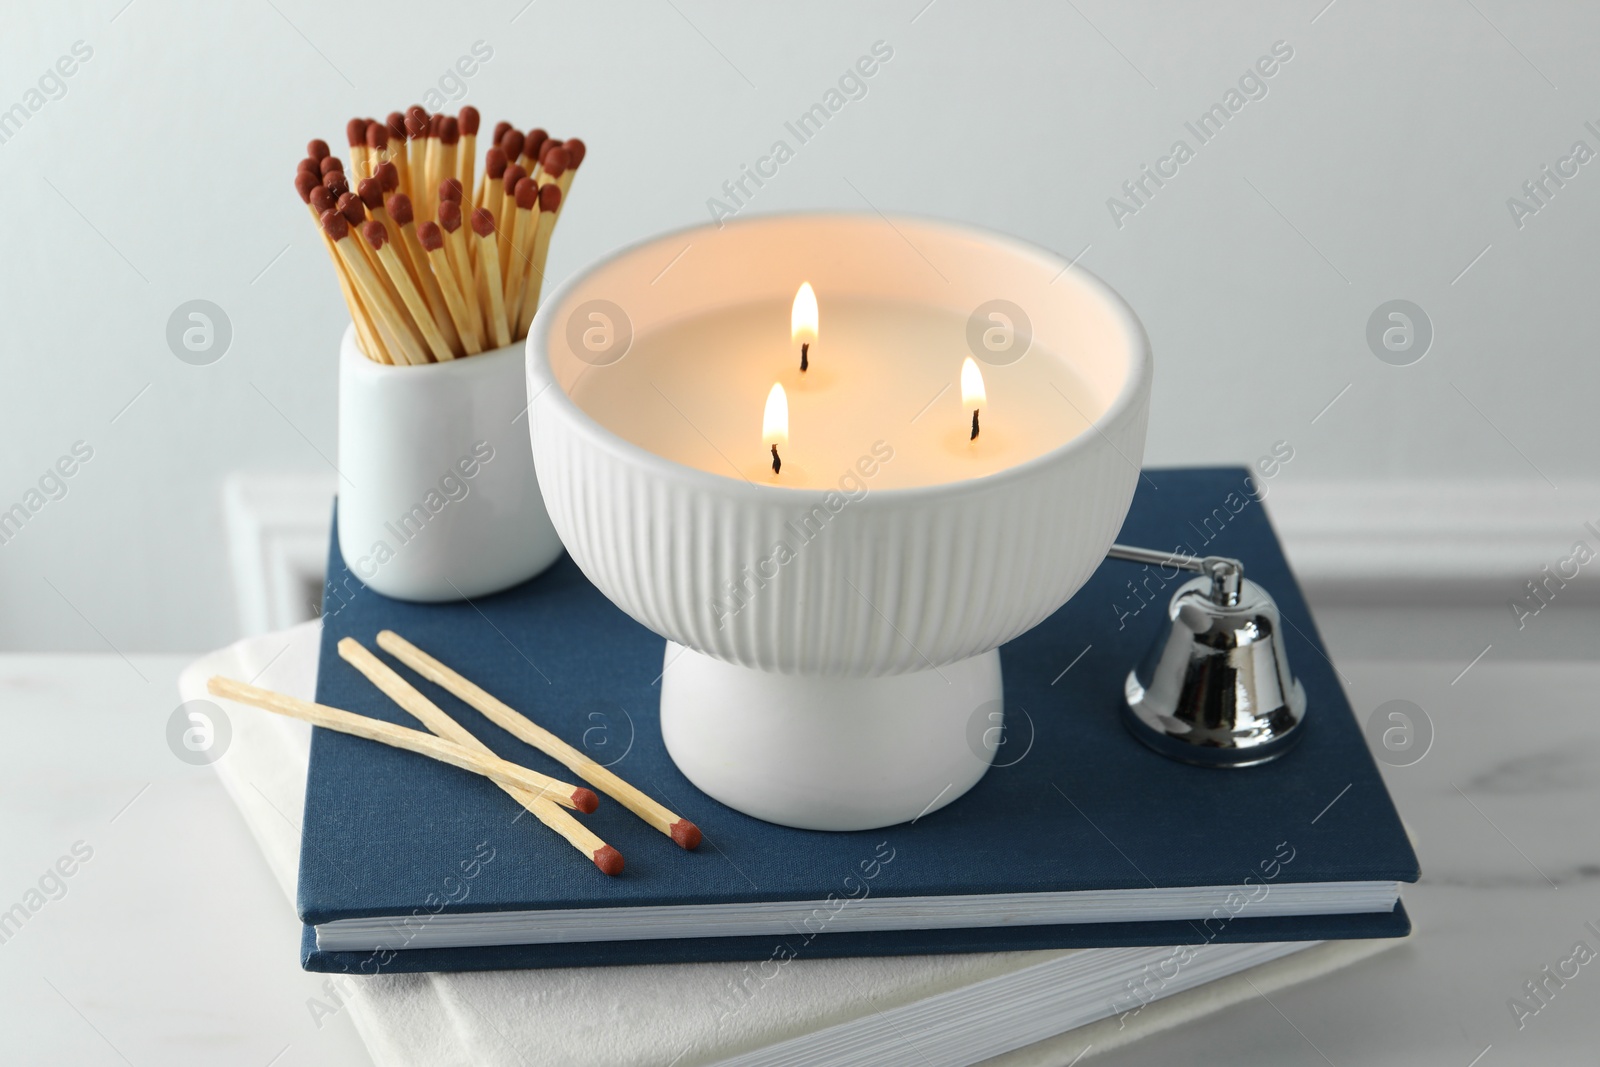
(810, 582)
(795, 581)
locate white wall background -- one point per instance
(1377, 167)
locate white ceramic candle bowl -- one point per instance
(899, 583)
(438, 499)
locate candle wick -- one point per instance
(777, 461)
(974, 436)
(805, 353)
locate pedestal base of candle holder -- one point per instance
(831, 753)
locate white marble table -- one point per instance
(172, 945)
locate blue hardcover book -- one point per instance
(1079, 837)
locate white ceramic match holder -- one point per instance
(438, 499)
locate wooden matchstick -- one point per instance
(403, 693)
(388, 176)
(554, 165)
(355, 131)
(449, 143)
(494, 172)
(377, 235)
(431, 172)
(398, 155)
(468, 120)
(532, 146)
(345, 722)
(575, 150)
(399, 208)
(488, 277)
(550, 145)
(468, 325)
(525, 222)
(512, 142)
(390, 318)
(416, 150)
(681, 830)
(549, 206)
(455, 246)
(377, 146)
(505, 215)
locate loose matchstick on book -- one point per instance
(346, 722)
(683, 832)
(402, 692)
(431, 161)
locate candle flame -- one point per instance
(775, 420)
(803, 316)
(972, 394)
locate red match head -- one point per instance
(549, 197)
(436, 124)
(416, 121)
(450, 189)
(549, 146)
(494, 164)
(527, 194)
(396, 122)
(330, 164)
(584, 799)
(335, 226)
(371, 192)
(450, 216)
(429, 236)
(377, 136)
(469, 120)
(376, 234)
(309, 165)
(355, 131)
(399, 208)
(334, 181)
(483, 226)
(449, 130)
(388, 176)
(555, 162)
(609, 860)
(500, 129)
(576, 150)
(686, 834)
(535, 143)
(317, 148)
(304, 183)
(351, 207)
(323, 200)
(512, 141)
(511, 177)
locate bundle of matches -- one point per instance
(419, 288)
